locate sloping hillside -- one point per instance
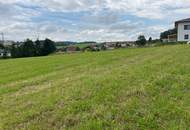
(145, 88)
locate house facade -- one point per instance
(183, 30)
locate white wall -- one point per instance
(182, 32)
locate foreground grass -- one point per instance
(145, 88)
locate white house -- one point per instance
(4, 53)
(183, 29)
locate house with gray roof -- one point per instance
(183, 29)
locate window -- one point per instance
(187, 27)
(186, 37)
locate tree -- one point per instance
(48, 47)
(28, 48)
(77, 48)
(16, 51)
(164, 35)
(1, 46)
(39, 47)
(150, 39)
(141, 40)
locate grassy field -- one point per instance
(143, 88)
(82, 45)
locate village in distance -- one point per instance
(28, 48)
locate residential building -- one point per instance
(119, 44)
(183, 29)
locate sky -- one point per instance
(89, 20)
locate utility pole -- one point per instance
(2, 34)
(38, 36)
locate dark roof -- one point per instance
(182, 21)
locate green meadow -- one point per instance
(136, 88)
(81, 45)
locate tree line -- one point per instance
(141, 41)
(165, 34)
(31, 49)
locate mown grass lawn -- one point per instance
(143, 88)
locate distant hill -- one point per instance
(61, 44)
(64, 43)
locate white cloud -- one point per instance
(141, 8)
(154, 9)
(102, 20)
